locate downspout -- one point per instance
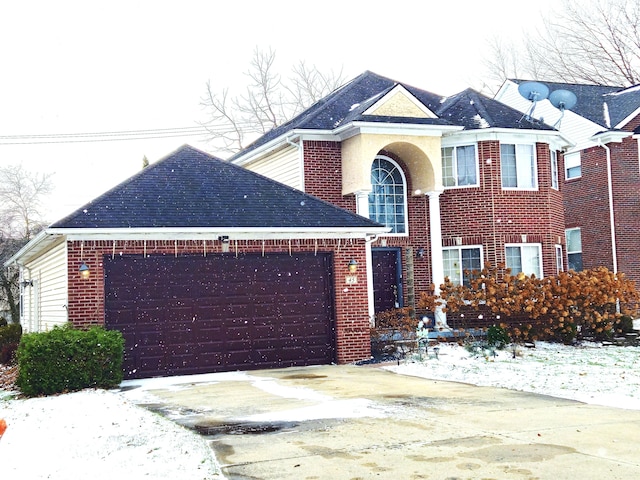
(611, 211)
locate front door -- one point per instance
(387, 278)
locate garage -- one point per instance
(220, 312)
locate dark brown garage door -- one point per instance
(196, 314)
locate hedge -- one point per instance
(66, 360)
(9, 340)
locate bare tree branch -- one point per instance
(596, 42)
(266, 103)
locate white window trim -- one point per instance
(535, 169)
(455, 164)
(567, 167)
(404, 186)
(555, 176)
(537, 245)
(559, 258)
(466, 247)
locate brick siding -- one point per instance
(86, 296)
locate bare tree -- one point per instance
(595, 42)
(21, 203)
(21, 195)
(268, 101)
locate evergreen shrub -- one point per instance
(9, 340)
(66, 360)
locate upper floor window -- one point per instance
(554, 169)
(459, 166)
(518, 166)
(387, 200)
(572, 165)
(459, 262)
(525, 258)
(574, 248)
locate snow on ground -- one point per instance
(99, 435)
(590, 373)
(103, 434)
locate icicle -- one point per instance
(204, 248)
(315, 251)
(81, 250)
(113, 251)
(263, 248)
(236, 248)
(144, 249)
(289, 247)
(175, 248)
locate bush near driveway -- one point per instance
(590, 303)
(65, 360)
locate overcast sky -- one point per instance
(84, 67)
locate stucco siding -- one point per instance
(45, 302)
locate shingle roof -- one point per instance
(190, 188)
(348, 103)
(620, 101)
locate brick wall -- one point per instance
(484, 215)
(586, 205)
(86, 296)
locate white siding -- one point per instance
(578, 129)
(45, 303)
(284, 166)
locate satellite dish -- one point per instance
(534, 92)
(562, 100)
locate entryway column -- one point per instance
(435, 240)
(362, 203)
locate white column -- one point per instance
(362, 203)
(435, 240)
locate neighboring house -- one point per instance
(601, 176)
(205, 266)
(461, 181)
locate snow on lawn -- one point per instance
(590, 373)
(103, 434)
(99, 435)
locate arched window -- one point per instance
(387, 200)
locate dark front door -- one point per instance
(387, 278)
(196, 314)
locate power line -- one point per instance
(112, 136)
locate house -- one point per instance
(600, 180)
(205, 266)
(461, 181)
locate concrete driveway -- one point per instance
(349, 422)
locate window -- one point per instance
(554, 169)
(518, 166)
(574, 248)
(559, 259)
(572, 165)
(459, 166)
(387, 200)
(524, 258)
(457, 260)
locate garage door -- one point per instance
(196, 314)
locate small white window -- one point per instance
(459, 166)
(518, 167)
(572, 165)
(574, 248)
(524, 257)
(460, 261)
(559, 259)
(554, 169)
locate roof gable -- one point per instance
(399, 102)
(191, 189)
